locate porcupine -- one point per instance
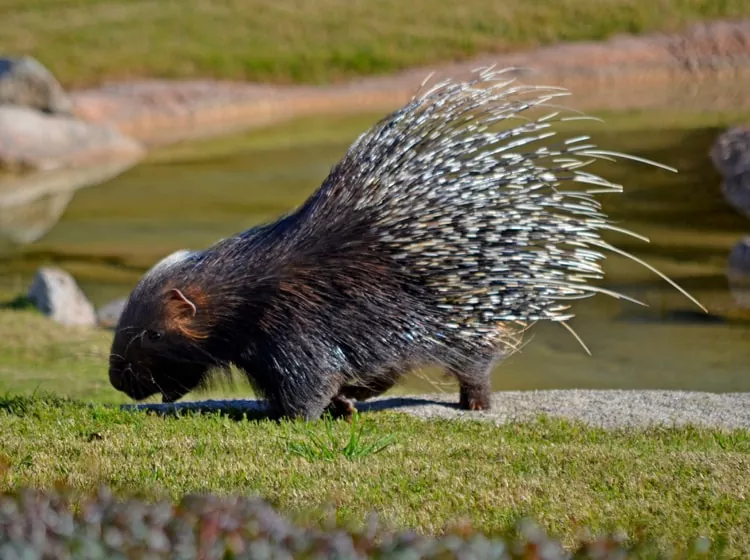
(433, 241)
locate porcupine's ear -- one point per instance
(181, 311)
(180, 305)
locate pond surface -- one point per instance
(189, 196)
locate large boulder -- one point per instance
(25, 82)
(56, 294)
(33, 140)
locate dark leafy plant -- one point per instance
(45, 525)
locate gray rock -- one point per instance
(739, 257)
(730, 152)
(736, 191)
(738, 272)
(731, 157)
(24, 81)
(108, 315)
(33, 140)
(56, 294)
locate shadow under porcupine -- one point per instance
(436, 240)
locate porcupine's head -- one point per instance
(158, 347)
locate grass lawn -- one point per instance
(87, 41)
(673, 485)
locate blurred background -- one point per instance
(132, 129)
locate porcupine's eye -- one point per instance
(154, 335)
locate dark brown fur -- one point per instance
(313, 326)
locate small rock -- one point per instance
(24, 81)
(730, 155)
(730, 152)
(33, 140)
(108, 315)
(739, 257)
(736, 191)
(56, 294)
(738, 273)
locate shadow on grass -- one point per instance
(241, 409)
(19, 303)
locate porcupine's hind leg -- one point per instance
(474, 382)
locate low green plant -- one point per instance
(356, 443)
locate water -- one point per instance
(189, 197)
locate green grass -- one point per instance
(670, 484)
(87, 41)
(356, 444)
(37, 355)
